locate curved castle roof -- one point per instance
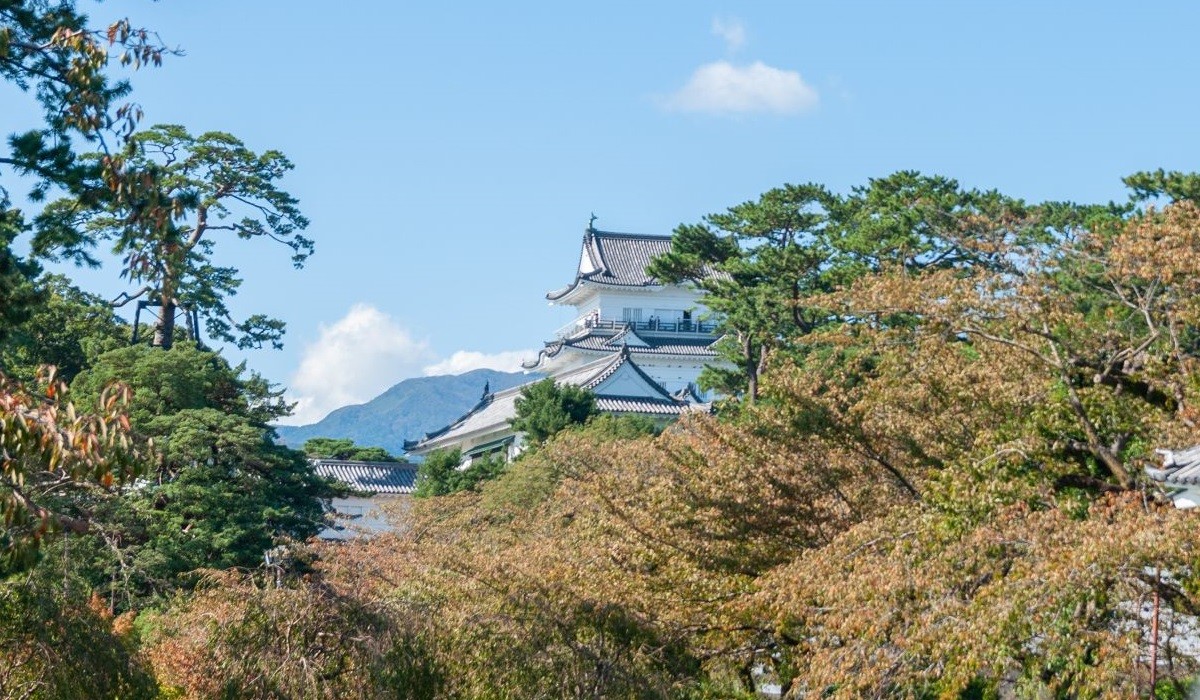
(615, 260)
(608, 338)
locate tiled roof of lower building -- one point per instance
(370, 477)
(492, 413)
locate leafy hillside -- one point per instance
(406, 411)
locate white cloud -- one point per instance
(723, 88)
(467, 360)
(731, 30)
(356, 358)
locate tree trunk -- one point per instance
(751, 371)
(164, 330)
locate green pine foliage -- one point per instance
(17, 293)
(68, 329)
(336, 448)
(220, 491)
(545, 408)
(441, 473)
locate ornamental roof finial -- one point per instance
(592, 222)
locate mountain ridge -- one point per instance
(405, 411)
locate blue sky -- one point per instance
(449, 154)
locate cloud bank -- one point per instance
(467, 360)
(363, 354)
(352, 361)
(723, 88)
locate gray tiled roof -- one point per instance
(701, 346)
(620, 404)
(370, 477)
(492, 412)
(618, 259)
(495, 410)
(1179, 467)
(605, 341)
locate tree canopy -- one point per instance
(68, 330)
(220, 492)
(941, 493)
(181, 194)
(545, 408)
(759, 262)
(338, 448)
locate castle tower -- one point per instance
(638, 344)
(619, 305)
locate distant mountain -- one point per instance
(406, 411)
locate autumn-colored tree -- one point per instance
(47, 447)
(60, 644)
(306, 640)
(941, 495)
(1016, 568)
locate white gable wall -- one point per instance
(585, 262)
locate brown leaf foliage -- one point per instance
(942, 495)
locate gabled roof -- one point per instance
(619, 384)
(623, 378)
(369, 477)
(615, 259)
(627, 337)
(492, 412)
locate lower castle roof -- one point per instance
(617, 371)
(606, 340)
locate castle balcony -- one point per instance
(653, 326)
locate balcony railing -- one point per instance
(654, 326)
